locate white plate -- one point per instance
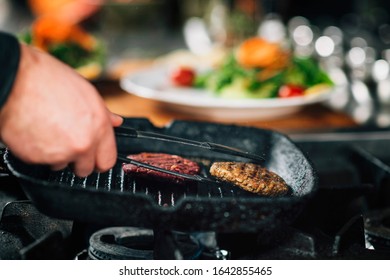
(154, 83)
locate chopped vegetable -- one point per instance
(257, 52)
(291, 91)
(73, 54)
(259, 69)
(67, 41)
(184, 76)
(317, 89)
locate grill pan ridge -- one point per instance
(115, 199)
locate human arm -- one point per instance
(54, 116)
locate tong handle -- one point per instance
(133, 133)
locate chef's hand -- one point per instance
(54, 116)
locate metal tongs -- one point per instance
(125, 131)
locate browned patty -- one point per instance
(165, 161)
(250, 177)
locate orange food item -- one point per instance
(58, 22)
(47, 30)
(42, 7)
(257, 52)
(72, 11)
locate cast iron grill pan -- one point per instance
(116, 199)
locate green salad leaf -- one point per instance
(76, 56)
(71, 53)
(233, 80)
(305, 71)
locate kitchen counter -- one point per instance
(311, 118)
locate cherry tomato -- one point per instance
(290, 91)
(184, 76)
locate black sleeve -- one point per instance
(9, 64)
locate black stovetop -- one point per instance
(348, 217)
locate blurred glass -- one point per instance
(4, 11)
(15, 16)
(197, 37)
(302, 35)
(230, 22)
(272, 28)
(216, 22)
(135, 28)
(324, 46)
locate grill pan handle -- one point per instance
(133, 133)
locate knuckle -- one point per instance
(82, 145)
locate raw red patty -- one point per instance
(165, 161)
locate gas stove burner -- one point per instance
(132, 243)
(377, 227)
(121, 243)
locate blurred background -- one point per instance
(351, 38)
